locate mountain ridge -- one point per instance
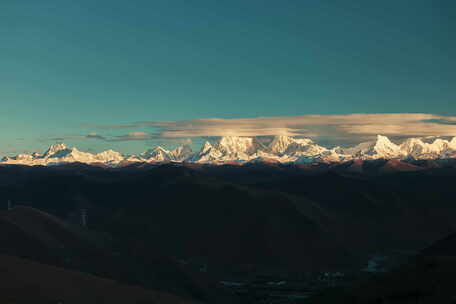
(234, 149)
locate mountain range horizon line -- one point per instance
(241, 149)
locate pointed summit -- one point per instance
(382, 147)
(156, 154)
(383, 139)
(281, 144)
(206, 147)
(54, 149)
(231, 148)
(159, 154)
(452, 143)
(385, 148)
(231, 145)
(207, 153)
(384, 144)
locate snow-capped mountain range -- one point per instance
(230, 149)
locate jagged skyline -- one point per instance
(229, 149)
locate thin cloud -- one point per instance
(61, 138)
(173, 141)
(185, 141)
(109, 127)
(130, 126)
(95, 136)
(314, 125)
(133, 136)
(339, 129)
(442, 121)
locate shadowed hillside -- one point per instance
(22, 281)
(269, 216)
(29, 233)
(182, 228)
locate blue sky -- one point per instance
(69, 67)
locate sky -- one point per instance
(129, 75)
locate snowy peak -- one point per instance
(382, 147)
(60, 154)
(452, 144)
(19, 157)
(383, 141)
(385, 148)
(234, 144)
(302, 147)
(247, 149)
(207, 153)
(419, 149)
(110, 156)
(156, 154)
(55, 149)
(229, 149)
(206, 148)
(160, 154)
(281, 143)
(182, 153)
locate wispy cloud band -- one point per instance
(338, 128)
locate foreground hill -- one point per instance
(23, 281)
(31, 233)
(35, 235)
(228, 217)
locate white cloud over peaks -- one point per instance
(339, 129)
(315, 125)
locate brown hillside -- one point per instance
(23, 281)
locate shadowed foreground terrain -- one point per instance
(23, 281)
(426, 278)
(31, 234)
(184, 228)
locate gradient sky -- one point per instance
(67, 67)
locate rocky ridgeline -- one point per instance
(281, 149)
